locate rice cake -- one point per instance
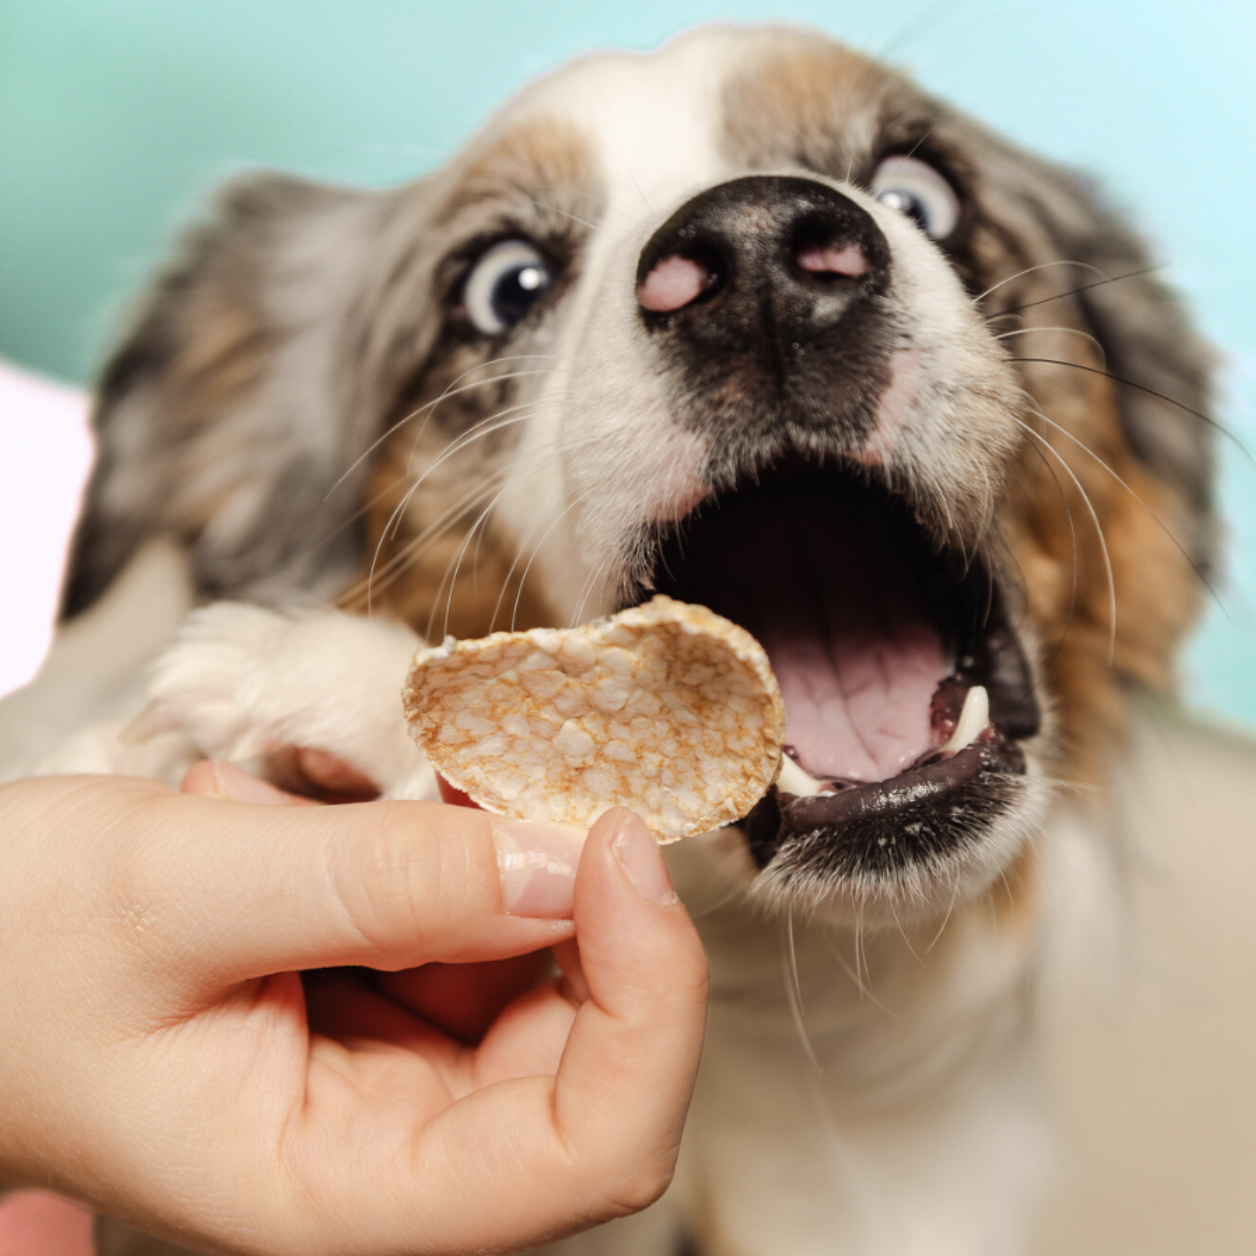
(666, 708)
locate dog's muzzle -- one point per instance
(770, 302)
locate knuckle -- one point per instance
(138, 893)
(624, 1176)
(391, 887)
(634, 1192)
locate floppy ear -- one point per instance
(1125, 420)
(227, 418)
(1162, 369)
(1165, 374)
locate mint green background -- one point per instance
(116, 115)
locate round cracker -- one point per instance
(666, 708)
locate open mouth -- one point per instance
(906, 689)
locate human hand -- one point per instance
(160, 1058)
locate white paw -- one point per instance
(244, 682)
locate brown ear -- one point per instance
(1113, 505)
(223, 419)
(1161, 369)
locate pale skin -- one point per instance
(161, 1059)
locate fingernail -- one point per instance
(233, 785)
(642, 860)
(538, 865)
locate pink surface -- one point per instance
(45, 454)
(35, 1223)
(852, 648)
(848, 260)
(834, 587)
(857, 703)
(672, 284)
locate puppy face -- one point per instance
(750, 321)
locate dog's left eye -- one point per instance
(504, 285)
(919, 191)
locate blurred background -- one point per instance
(115, 117)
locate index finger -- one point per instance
(248, 890)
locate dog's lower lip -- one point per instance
(907, 802)
(903, 803)
(930, 778)
(930, 784)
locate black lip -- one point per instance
(940, 802)
(880, 828)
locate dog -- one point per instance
(754, 322)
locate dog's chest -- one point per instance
(841, 1078)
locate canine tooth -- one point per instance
(797, 780)
(972, 720)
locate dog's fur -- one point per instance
(311, 405)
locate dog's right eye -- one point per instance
(504, 285)
(916, 189)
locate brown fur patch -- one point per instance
(223, 364)
(545, 154)
(228, 355)
(1072, 487)
(1157, 612)
(1014, 900)
(430, 571)
(432, 558)
(819, 108)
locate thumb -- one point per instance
(631, 1060)
(600, 1138)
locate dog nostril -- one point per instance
(847, 260)
(675, 282)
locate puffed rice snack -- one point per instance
(666, 708)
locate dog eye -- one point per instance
(920, 192)
(504, 285)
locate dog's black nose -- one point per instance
(762, 262)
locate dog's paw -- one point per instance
(247, 684)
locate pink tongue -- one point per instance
(856, 702)
(856, 656)
(836, 602)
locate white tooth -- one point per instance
(796, 780)
(972, 720)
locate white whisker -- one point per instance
(450, 391)
(1103, 543)
(1068, 331)
(536, 549)
(1029, 270)
(946, 920)
(793, 991)
(383, 576)
(1164, 527)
